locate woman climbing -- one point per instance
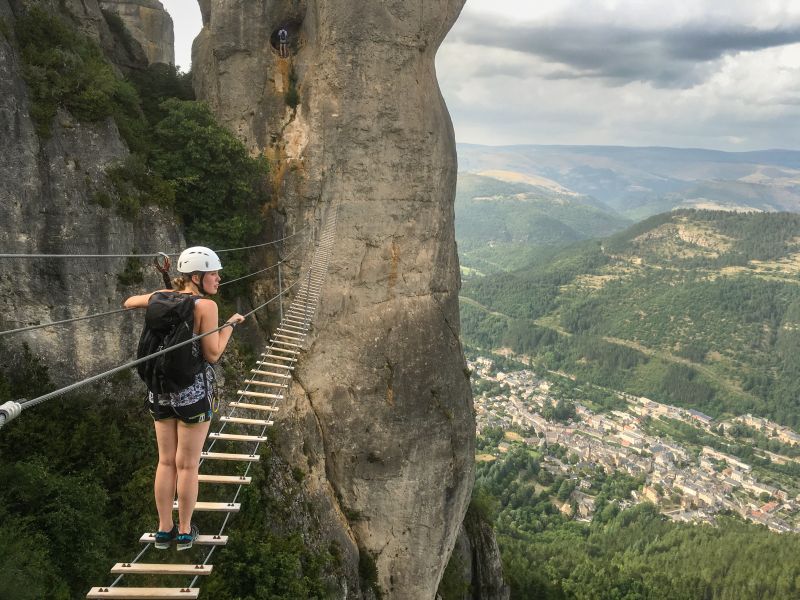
(182, 418)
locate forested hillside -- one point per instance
(698, 309)
(504, 224)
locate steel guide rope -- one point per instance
(122, 310)
(150, 255)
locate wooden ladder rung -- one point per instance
(235, 437)
(228, 456)
(213, 506)
(284, 350)
(289, 337)
(161, 569)
(290, 359)
(282, 343)
(269, 364)
(269, 384)
(134, 593)
(202, 540)
(259, 395)
(302, 318)
(234, 479)
(297, 321)
(254, 406)
(241, 421)
(271, 373)
(295, 331)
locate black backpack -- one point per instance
(169, 320)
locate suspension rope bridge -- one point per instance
(268, 384)
(12, 409)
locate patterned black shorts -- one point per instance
(191, 405)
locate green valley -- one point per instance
(700, 309)
(505, 221)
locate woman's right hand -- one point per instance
(235, 319)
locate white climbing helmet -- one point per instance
(198, 258)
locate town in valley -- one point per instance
(689, 480)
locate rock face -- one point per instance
(477, 555)
(149, 24)
(46, 205)
(382, 416)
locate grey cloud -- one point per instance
(670, 58)
(515, 71)
(710, 44)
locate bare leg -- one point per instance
(166, 472)
(187, 460)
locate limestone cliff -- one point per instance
(149, 24)
(476, 558)
(381, 412)
(46, 188)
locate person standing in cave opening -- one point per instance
(283, 43)
(181, 419)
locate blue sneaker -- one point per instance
(164, 538)
(184, 541)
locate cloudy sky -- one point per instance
(719, 74)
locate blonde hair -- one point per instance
(181, 282)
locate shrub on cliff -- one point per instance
(219, 188)
(64, 68)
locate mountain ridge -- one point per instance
(638, 182)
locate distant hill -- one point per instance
(640, 182)
(694, 308)
(504, 219)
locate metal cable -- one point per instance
(138, 556)
(296, 250)
(264, 244)
(85, 255)
(152, 255)
(83, 318)
(113, 312)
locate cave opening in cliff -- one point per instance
(292, 37)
